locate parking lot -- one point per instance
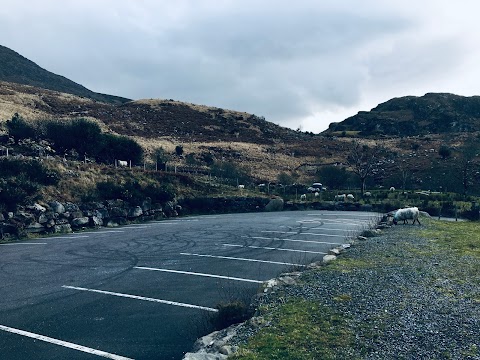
(144, 291)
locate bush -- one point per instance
(134, 193)
(19, 129)
(230, 171)
(31, 170)
(17, 191)
(230, 313)
(86, 138)
(114, 147)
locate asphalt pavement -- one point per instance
(146, 291)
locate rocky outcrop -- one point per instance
(57, 217)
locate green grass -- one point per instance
(301, 330)
(461, 237)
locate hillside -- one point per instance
(433, 113)
(17, 69)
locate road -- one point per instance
(146, 291)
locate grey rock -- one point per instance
(329, 258)
(43, 218)
(75, 214)
(81, 221)
(63, 228)
(135, 212)
(97, 221)
(118, 212)
(57, 207)
(334, 251)
(275, 205)
(35, 228)
(147, 204)
(71, 207)
(101, 213)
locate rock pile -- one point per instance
(56, 217)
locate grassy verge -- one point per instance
(445, 261)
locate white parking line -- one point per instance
(167, 302)
(292, 240)
(68, 237)
(199, 274)
(242, 259)
(105, 232)
(343, 214)
(280, 249)
(133, 227)
(296, 232)
(63, 343)
(185, 220)
(23, 244)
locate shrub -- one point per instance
(119, 147)
(179, 150)
(31, 170)
(20, 129)
(20, 181)
(230, 313)
(17, 191)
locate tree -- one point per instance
(363, 161)
(444, 151)
(179, 150)
(466, 164)
(161, 157)
(335, 177)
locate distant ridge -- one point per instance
(432, 113)
(18, 69)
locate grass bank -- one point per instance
(413, 292)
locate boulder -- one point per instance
(147, 204)
(57, 207)
(275, 205)
(329, 258)
(135, 212)
(63, 228)
(81, 221)
(118, 212)
(97, 221)
(35, 228)
(43, 218)
(71, 207)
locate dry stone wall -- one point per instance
(56, 217)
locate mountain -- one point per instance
(433, 113)
(18, 69)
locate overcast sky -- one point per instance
(298, 63)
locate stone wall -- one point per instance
(56, 217)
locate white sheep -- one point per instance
(350, 197)
(317, 194)
(392, 189)
(406, 214)
(341, 197)
(303, 197)
(122, 163)
(367, 194)
(241, 187)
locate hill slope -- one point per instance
(18, 69)
(433, 113)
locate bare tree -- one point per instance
(466, 164)
(363, 160)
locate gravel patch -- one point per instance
(402, 300)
